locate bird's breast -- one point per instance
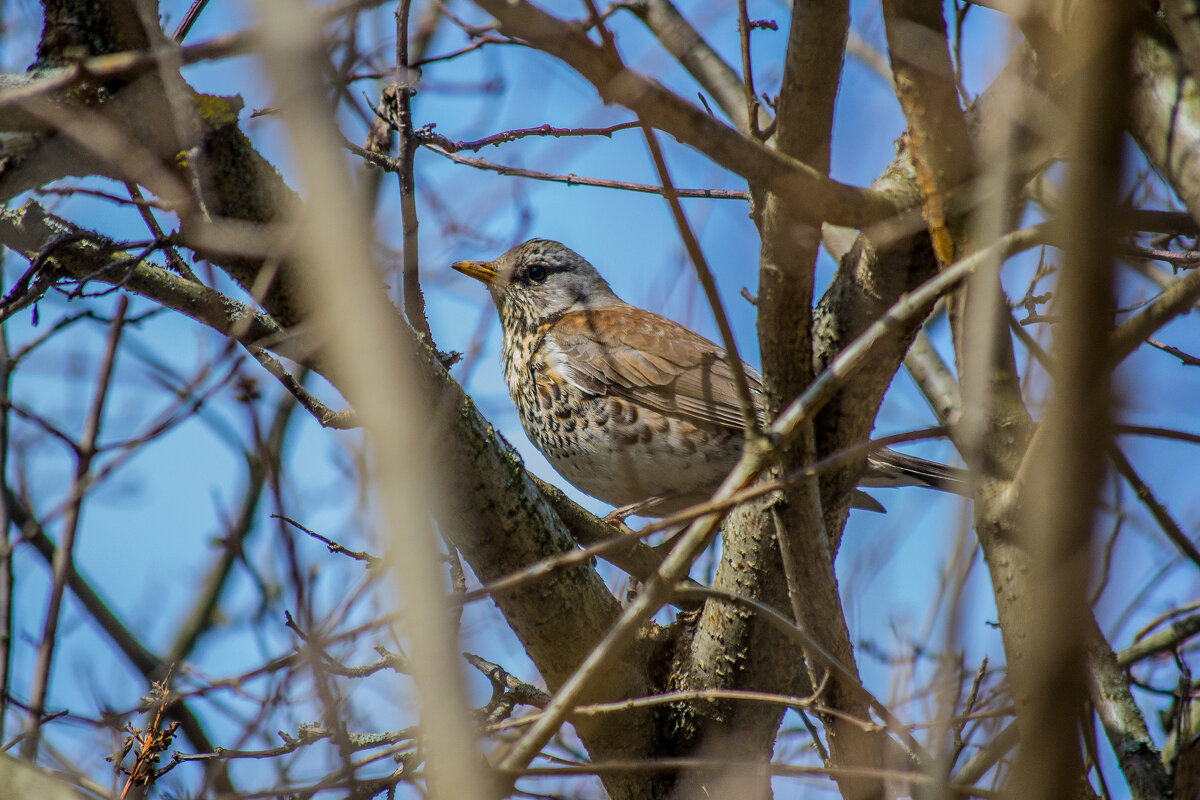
(609, 446)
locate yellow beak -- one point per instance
(479, 270)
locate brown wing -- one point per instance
(636, 354)
(646, 358)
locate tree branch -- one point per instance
(798, 183)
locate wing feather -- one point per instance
(636, 354)
(640, 356)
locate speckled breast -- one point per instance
(617, 451)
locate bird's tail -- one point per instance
(889, 468)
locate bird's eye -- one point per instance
(536, 274)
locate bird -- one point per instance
(627, 405)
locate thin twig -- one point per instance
(1187, 359)
(737, 367)
(1161, 642)
(426, 136)
(414, 299)
(173, 258)
(576, 180)
(968, 707)
(345, 419)
(1160, 513)
(189, 19)
(747, 70)
(1180, 260)
(7, 363)
(62, 562)
(685, 695)
(508, 691)
(1175, 300)
(475, 45)
(334, 547)
(1163, 617)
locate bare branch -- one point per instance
(798, 183)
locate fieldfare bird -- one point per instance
(628, 406)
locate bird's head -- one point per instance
(539, 281)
